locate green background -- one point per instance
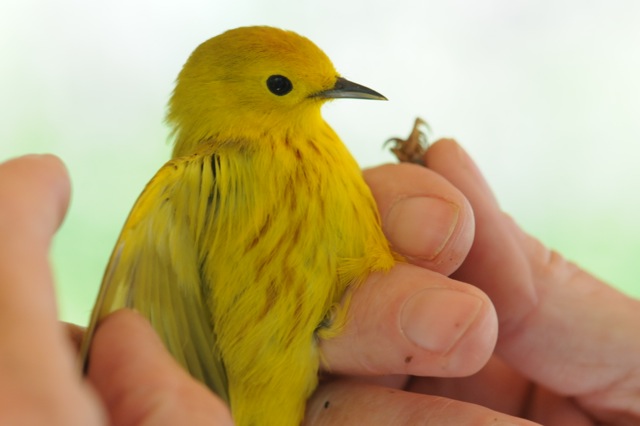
(544, 94)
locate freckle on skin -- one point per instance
(408, 359)
(326, 405)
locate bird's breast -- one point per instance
(298, 223)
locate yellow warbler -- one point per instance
(240, 249)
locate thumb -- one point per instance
(141, 384)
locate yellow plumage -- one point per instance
(241, 248)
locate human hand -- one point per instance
(132, 379)
(566, 354)
(571, 338)
(414, 321)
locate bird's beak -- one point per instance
(348, 89)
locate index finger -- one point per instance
(425, 218)
(34, 194)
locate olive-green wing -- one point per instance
(155, 267)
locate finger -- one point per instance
(34, 194)
(509, 391)
(499, 387)
(580, 339)
(140, 383)
(413, 321)
(495, 259)
(424, 217)
(562, 334)
(37, 367)
(344, 402)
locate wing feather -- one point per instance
(155, 267)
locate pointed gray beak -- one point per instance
(348, 89)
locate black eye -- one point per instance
(279, 85)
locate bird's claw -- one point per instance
(412, 149)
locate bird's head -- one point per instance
(252, 81)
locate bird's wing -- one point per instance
(155, 267)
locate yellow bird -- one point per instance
(242, 247)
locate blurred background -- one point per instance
(545, 95)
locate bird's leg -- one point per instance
(412, 149)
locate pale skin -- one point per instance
(567, 351)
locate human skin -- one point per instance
(412, 322)
(131, 379)
(567, 352)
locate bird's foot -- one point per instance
(412, 149)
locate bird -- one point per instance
(244, 248)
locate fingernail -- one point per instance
(421, 226)
(436, 319)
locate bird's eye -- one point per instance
(279, 85)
